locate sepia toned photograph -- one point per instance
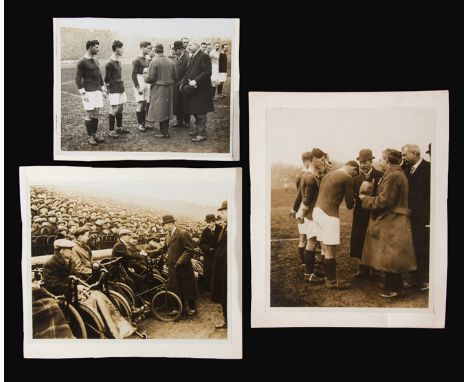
(351, 202)
(125, 255)
(146, 89)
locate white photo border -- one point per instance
(59, 154)
(230, 348)
(262, 314)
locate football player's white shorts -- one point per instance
(92, 100)
(327, 227)
(143, 86)
(310, 228)
(302, 229)
(117, 98)
(214, 74)
(222, 77)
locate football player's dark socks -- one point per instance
(111, 122)
(138, 115)
(300, 251)
(95, 125)
(309, 259)
(118, 118)
(330, 269)
(89, 126)
(147, 108)
(220, 89)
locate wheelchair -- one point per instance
(165, 305)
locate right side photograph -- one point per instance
(351, 202)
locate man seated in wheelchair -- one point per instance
(63, 264)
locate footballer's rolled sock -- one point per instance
(138, 115)
(89, 126)
(118, 118)
(95, 124)
(300, 251)
(164, 127)
(111, 122)
(330, 269)
(220, 88)
(309, 259)
(147, 105)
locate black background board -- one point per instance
(284, 47)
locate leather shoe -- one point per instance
(223, 325)
(98, 139)
(199, 138)
(191, 312)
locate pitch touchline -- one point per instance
(283, 239)
(73, 95)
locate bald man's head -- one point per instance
(193, 46)
(411, 154)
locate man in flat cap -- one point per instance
(388, 246)
(419, 202)
(367, 173)
(179, 247)
(219, 271)
(181, 60)
(161, 75)
(198, 100)
(56, 270)
(208, 243)
(82, 254)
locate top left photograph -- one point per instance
(146, 89)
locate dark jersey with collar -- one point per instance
(88, 75)
(139, 64)
(113, 77)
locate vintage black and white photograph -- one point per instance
(352, 218)
(146, 89)
(122, 254)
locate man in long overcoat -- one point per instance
(388, 246)
(161, 75)
(419, 201)
(181, 61)
(197, 90)
(179, 246)
(219, 271)
(360, 215)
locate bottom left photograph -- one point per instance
(131, 257)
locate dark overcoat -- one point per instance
(55, 273)
(199, 70)
(180, 247)
(219, 271)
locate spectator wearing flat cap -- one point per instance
(367, 173)
(121, 249)
(208, 242)
(179, 247)
(59, 267)
(82, 254)
(161, 75)
(390, 219)
(219, 271)
(181, 61)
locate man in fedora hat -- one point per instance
(161, 75)
(419, 202)
(208, 242)
(367, 173)
(181, 61)
(179, 247)
(219, 271)
(390, 219)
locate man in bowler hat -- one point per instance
(367, 173)
(179, 247)
(208, 242)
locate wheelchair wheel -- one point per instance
(166, 306)
(95, 327)
(127, 292)
(74, 320)
(121, 304)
